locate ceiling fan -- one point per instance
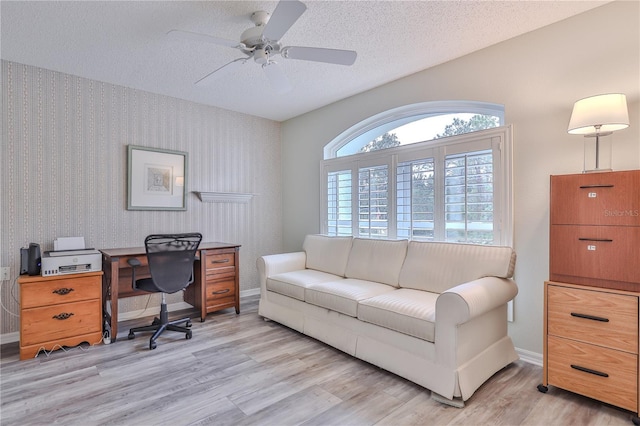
(262, 43)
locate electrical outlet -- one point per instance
(5, 273)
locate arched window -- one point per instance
(415, 123)
(438, 171)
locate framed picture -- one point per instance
(157, 179)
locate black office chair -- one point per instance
(171, 259)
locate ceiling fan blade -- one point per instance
(318, 54)
(188, 35)
(277, 77)
(223, 70)
(283, 17)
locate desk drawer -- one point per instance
(55, 292)
(605, 374)
(60, 321)
(592, 316)
(221, 292)
(594, 252)
(220, 261)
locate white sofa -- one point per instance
(433, 313)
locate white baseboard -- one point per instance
(530, 357)
(250, 292)
(9, 337)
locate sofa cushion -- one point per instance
(437, 267)
(343, 296)
(376, 260)
(407, 311)
(327, 254)
(292, 284)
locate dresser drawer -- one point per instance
(220, 292)
(608, 253)
(592, 316)
(59, 291)
(605, 374)
(596, 199)
(60, 321)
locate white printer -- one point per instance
(70, 262)
(70, 257)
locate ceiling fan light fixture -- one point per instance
(261, 56)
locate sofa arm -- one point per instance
(278, 264)
(474, 298)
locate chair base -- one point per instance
(159, 325)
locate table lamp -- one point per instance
(599, 115)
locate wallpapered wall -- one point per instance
(64, 171)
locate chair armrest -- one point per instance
(278, 264)
(474, 298)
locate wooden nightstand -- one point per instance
(59, 311)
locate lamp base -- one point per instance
(597, 156)
(597, 171)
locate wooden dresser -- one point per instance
(58, 311)
(591, 321)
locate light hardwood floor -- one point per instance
(242, 370)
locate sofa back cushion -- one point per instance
(327, 254)
(437, 267)
(376, 260)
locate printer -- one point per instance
(70, 262)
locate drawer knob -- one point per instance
(589, 317)
(226, 290)
(62, 291)
(63, 316)
(221, 261)
(590, 371)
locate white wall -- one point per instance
(64, 171)
(538, 77)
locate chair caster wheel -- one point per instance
(543, 388)
(188, 324)
(131, 335)
(188, 335)
(152, 345)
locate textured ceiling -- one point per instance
(125, 43)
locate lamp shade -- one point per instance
(599, 114)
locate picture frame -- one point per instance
(156, 179)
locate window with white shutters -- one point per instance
(455, 188)
(415, 194)
(339, 203)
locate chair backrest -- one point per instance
(171, 258)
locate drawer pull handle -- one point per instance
(602, 240)
(221, 261)
(226, 290)
(62, 291)
(602, 185)
(63, 316)
(590, 371)
(589, 317)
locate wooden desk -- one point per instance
(216, 280)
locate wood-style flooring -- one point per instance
(242, 370)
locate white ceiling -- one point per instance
(125, 43)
